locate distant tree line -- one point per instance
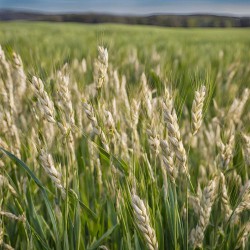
(158, 20)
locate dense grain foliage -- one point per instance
(117, 137)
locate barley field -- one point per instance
(124, 137)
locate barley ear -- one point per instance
(143, 223)
(197, 109)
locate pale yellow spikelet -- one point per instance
(91, 116)
(236, 178)
(146, 95)
(236, 109)
(83, 65)
(207, 200)
(98, 172)
(153, 139)
(124, 145)
(103, 247)
(8, 88)
(5, 69)
(109, 122)
(117, 84)
(123, 93)
(168, 160)
(246, 148)
(197, 109)
(243, 236)
(13, 216)
(244, 203)
(18, 76)
(194, 202)
(47, 163)
(96, 128)
(12, 133)
(227, 149)
(135, 112)
(5, 183)
(225, 199)
(143, 222)
(65, 96)
(45, 103)
(101, 66)
(174, 135)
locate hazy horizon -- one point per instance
(132, 7)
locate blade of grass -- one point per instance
(18, 162)
(102, 238)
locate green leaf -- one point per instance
(73, 195)
(104, 236)
(20, 163)
(118, 163)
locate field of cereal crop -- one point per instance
(124, 137)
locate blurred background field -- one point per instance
(182, 55)
(63, 41)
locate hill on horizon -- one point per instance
(166, 20)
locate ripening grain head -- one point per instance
(197, 109)
(143, 222)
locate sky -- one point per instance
(132, 7)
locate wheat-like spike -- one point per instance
(18, 75)
(7, 246)
(110, 126)
(3, 143)
(48, 165)
(243, 236)
(91, 116)
(4, 182)
(123, 93)
(236, 109)
(13, 216)
(13, 133)
(134, 114)
(110, 123)
(153, 140)
(227, 150)
(116, 82)
(101, 66)
(135, 111)
(197, 109)
(103, 247)
(103, 56)
(194, 202)
(168, 160)
(5, 69)
(224, 198)
(98, 171)
(174, 135)
(143, 222)
(83, 65)
(236, 178)
(65, 95)
(124, 145)
(146, 95)
(207, 200)
(9, 107)
(246, 149)
(244, 203)
(45, 104)
(96, 128)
